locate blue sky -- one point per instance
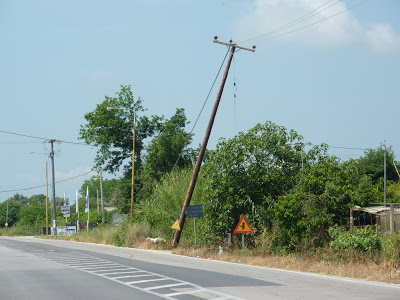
(334, 82)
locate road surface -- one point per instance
(32, 268)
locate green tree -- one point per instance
(112, 131)
(13, 212)
(247, 174)
(19, 198)
(321, 197)
(393, 192)
(372, 164)
(164, 150)
(33, 213)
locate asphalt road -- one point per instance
(33, 268)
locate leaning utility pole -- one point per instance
(206, 137)
(54, 189)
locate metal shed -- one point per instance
(388, 217)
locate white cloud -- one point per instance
(265, 16)
(382, 38)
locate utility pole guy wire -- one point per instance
(205, 141)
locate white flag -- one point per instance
(87, 200)
(77, 202)
(65, 200)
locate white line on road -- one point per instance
(111, 268)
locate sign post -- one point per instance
(66, 210)
(195, 211)
(243, 227)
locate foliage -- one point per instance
(393, 192)
(19, 198)
(320, 198)
(33, 214)
(247, 174)
(362, 240)
(112, 130)
(391, 246)
(13, 212)
(163, 152)
(165, 204)
(372, 164)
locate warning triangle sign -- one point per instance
(243, 226)
(176, 225)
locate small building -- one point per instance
(387, 217)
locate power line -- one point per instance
(204, 104)
(309, 25)
(46, 139)
(294, 22)
(212, 87)
(24, 135)
(40, 186)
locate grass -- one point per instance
(375, 269)
(324, 261)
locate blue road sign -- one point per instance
(195, 211)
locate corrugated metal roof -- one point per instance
(377, 210)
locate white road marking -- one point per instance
(165, 286)
(103, 268)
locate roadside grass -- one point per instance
(327, 263)
(382, 267)
(324, 261)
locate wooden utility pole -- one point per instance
(53, 188)
(384, 176)
(206, 137)
(101, 196)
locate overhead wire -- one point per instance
(309, 25)
(40, 186)
(46, 139)
(294, 22)
(205, 102)
(234, 94)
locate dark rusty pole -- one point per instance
(203, 149)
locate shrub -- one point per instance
(391, 247)
(363, 240)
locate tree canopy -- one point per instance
(112, 132)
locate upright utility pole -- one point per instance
(133, 165)
(54, 188)
(205, 140)
(101, 196)
(384, 175)
(7, 216)
(47, 198)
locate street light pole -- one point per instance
(133, 154)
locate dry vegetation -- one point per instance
(354, 267)
(324, 262)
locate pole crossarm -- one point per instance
(205, 140)
(234, 45)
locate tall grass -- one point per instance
(165, 205)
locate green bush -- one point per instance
(364, 240)
(391, 247)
